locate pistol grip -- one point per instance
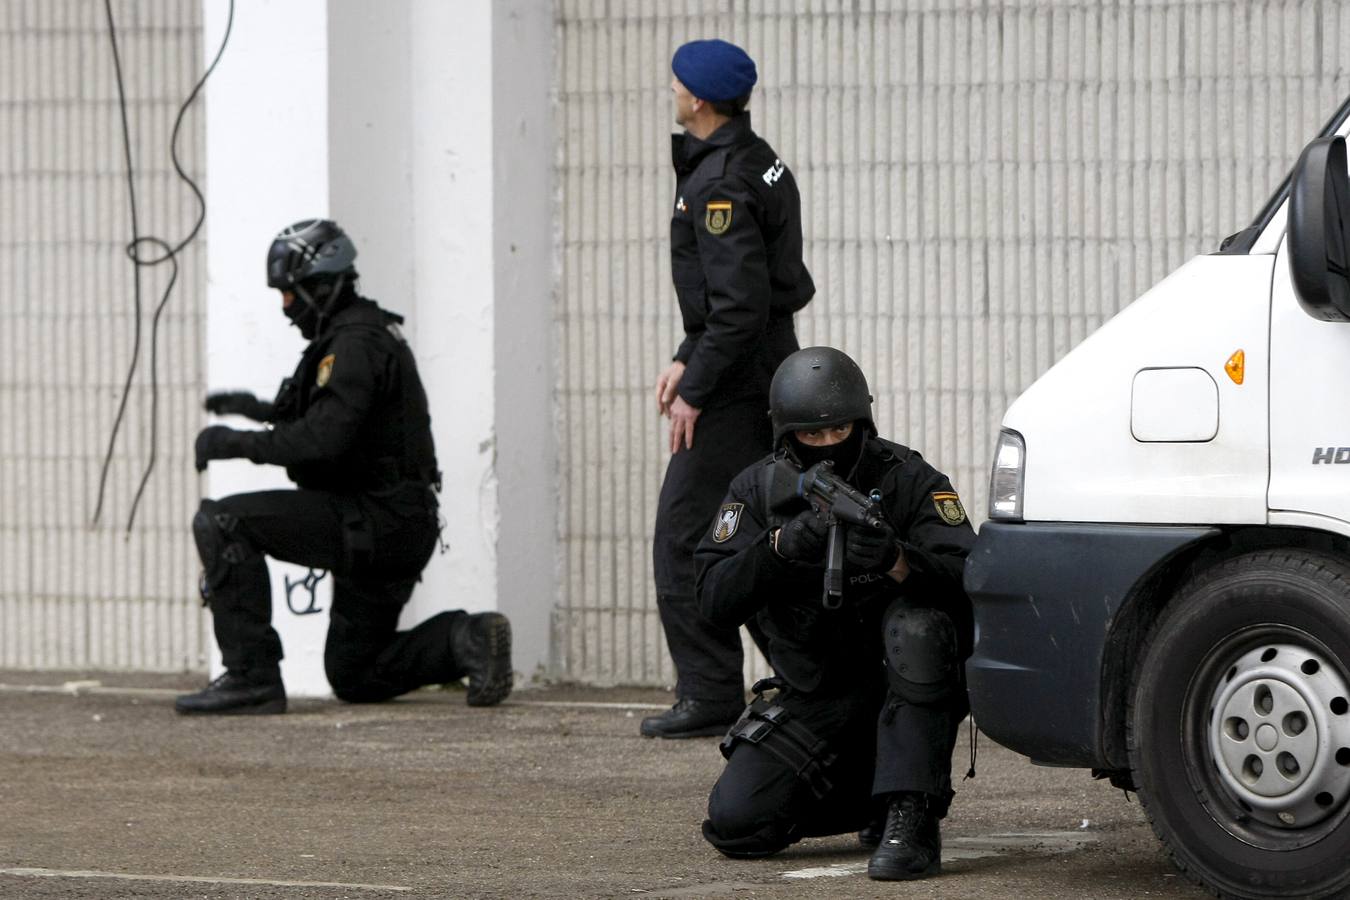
(834, 566)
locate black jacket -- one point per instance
(741, 577)
(736, 260)
(353, 418)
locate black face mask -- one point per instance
(844, 454)
(304, 316)
(316, 299)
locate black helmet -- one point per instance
(817, 387)
(312, 250)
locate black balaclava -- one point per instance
(844, 454)
(303, 315)
(316, 301)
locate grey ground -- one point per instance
(541, 797)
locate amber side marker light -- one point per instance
(1235, 366)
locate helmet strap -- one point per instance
(320, 307)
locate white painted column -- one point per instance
(431, 146)
(441, 148)
(526, 273)
(450, 236)
(267, 166)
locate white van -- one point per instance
(1162, 589)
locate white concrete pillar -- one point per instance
(266, 166)
(442, 153)
(433, 145)
(526, 274)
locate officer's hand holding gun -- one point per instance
(868, 545)
(871, 549)
(802, 539)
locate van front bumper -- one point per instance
(1045, 597)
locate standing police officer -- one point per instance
(869, 695)
(352, 429)
(736, 260)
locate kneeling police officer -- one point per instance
(869, 692)
(352, 429)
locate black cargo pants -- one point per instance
(375, 546)
(708, 658)
(875, 744)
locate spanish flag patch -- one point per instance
(717, 216)
(949, 507)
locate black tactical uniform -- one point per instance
(736, 261)
(352, 429)
(871, 694)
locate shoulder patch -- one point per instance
(949, 507)
(728, 520)
(717, 216)
(325, 369)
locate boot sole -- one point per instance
(269, 708)
(496, 686)
(705, 731)
(885, 873)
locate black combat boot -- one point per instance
(481, 644)
(911, 845)
(693, 718)
(237, 693)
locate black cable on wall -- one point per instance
(137, 251)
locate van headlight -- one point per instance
(1005, 483)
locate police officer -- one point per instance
(868, 696)
(736, 260)
(352, 429)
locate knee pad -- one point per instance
(218, 543)
(921, 656)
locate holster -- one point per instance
(773, 728)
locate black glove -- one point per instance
(870, 549)
(217, 442)
(803, 538)
(238, 403)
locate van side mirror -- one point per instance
(1319, 230)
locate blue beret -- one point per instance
(714, 70)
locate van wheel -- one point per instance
(1239, 726)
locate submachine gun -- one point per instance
(838, 503)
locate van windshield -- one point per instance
(1244, 240)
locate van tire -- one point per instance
(1238, 730)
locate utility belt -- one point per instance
(774, 729)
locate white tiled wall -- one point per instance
(73, 594)
(984, 183)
